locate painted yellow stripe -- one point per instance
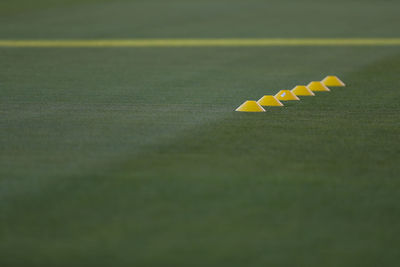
(203, 42)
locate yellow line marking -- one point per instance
(204, 42)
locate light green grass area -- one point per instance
(134, 156)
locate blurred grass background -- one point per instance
(134, 156)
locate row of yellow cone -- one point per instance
(287, 95)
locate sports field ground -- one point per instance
(134, 156)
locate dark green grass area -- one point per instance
(63, 19)
(141, 160)
(135, 157)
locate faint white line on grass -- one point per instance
(205, 42)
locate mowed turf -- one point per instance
(135, 157)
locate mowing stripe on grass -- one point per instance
(204, 42)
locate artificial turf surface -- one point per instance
(134, 156)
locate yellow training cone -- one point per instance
(286, 95)
(317, 87)
(250, 106)
(333, 81)
(302, 90)
(269, 100)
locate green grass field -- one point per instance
(135, 157)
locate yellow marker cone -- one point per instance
(286, 95)
(302, 90)
(269, 100)
(250, 106)
(333, 81)
(317, 87)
